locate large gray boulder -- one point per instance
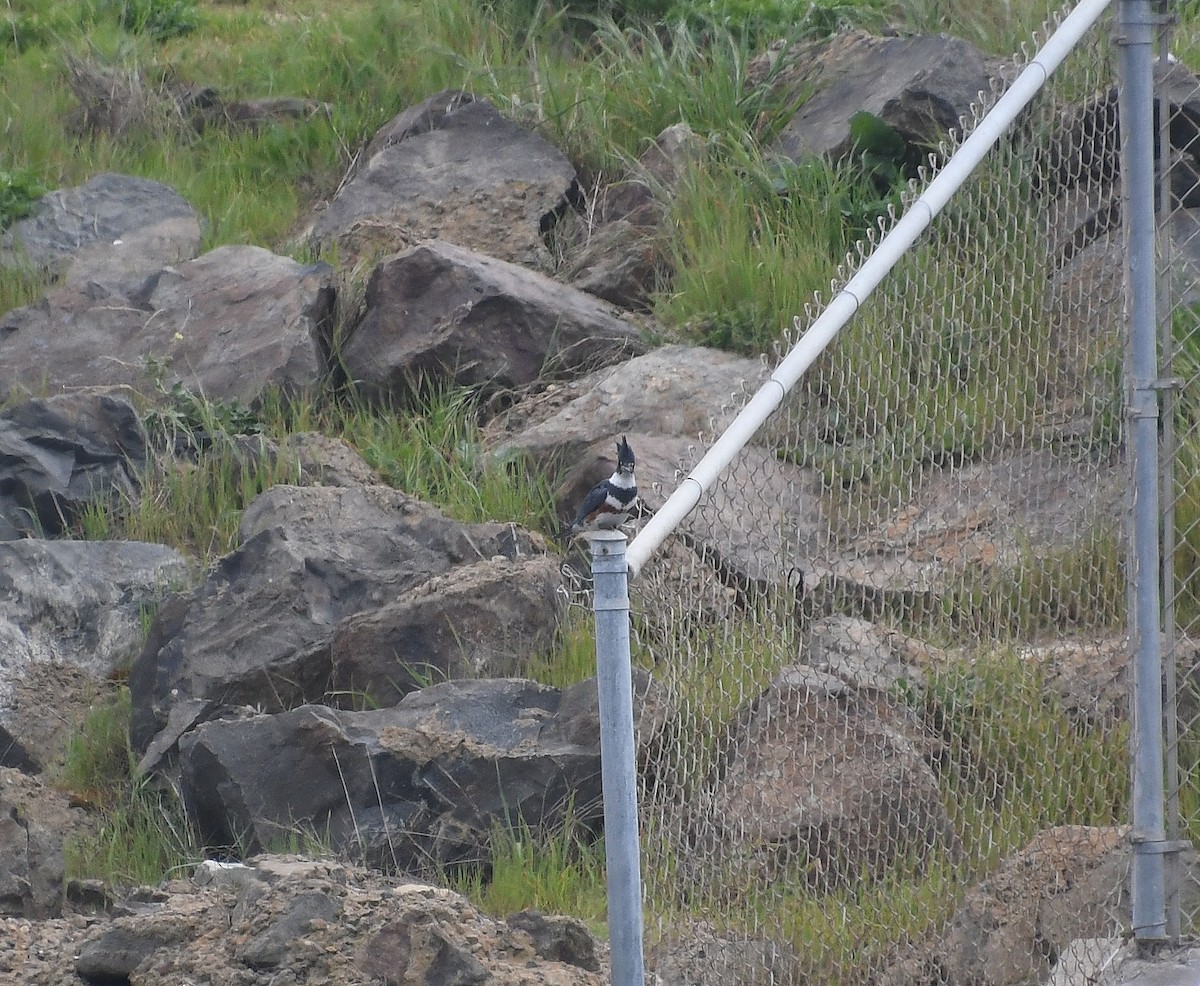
(59, 455)
(672, 391)
(35, 822)
(982, 520)
(816, 787)
(229, 325)
(669, 403)
(440, 312)
(451, 169)
(419, 784)
(72, 613)
(482, 620)
(110, 220)
(259, 630)
(921, 86)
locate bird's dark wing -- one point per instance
(591, 503)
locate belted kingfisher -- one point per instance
(609, 503)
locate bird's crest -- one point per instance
(625, 460)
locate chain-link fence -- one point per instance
(1177, 201)
(889, 651)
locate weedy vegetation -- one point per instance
(140, 834)
(752, 243)
(556, 871)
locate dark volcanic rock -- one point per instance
(439, 312)
(920, 86)
(112, 214)
(481, 620)
(229, 325)
(258, 631)
(59, 454)
(423, 782)
(452, 169)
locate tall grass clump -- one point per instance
(208, 459)
(157, 19)
(558, 871)
(141, 834)
(572, 659)
(436, 453)
(754, 242)
(997, 28)
(764, 21)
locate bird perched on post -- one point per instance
(610, 503)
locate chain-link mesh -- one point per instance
(890, 648)
(1177, 199)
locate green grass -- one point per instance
(560, 871)
(140, 835)
(1185, 365)
(997, 28)
(436, 453)
(902, 908)
(944, 364)
(1082, 587)
(194, 501)
(573, 658)
(754, 243)
(1018, 759)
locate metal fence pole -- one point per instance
(1136, 38)
(618, 755)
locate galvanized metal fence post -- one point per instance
(618, 755)
(1136, 38)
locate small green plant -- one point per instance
(184, 419)
(141, 833)
(577, 16)
(196, 506)
(908, 904)
(19, 193)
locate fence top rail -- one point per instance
(882, 259)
